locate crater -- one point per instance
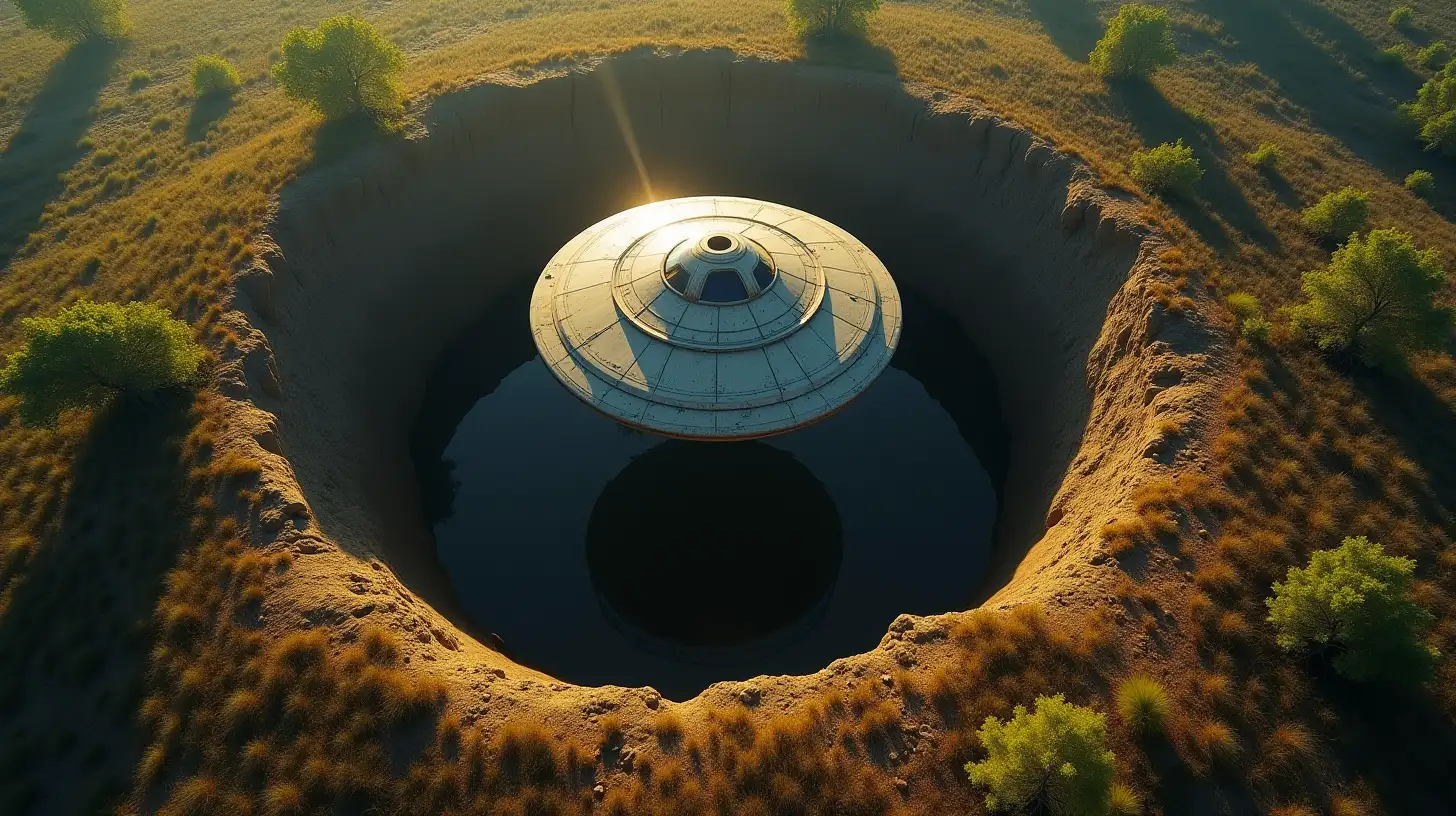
(377, 269)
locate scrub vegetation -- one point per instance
(130, 592)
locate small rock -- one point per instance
(499, 673)
(887, 680)
(901, 785)
(750, 695)
(599, 791)
(629, 758)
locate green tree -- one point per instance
(1434, 111)
(89, 352)
(1138, 41)
(1052, 761)
(1339, 214)
(1403, 17)
(214, 75)
(76, 20)
(1377, 297)
(341, 67)
(1167, 168)
(850, 17)
(1356, 600)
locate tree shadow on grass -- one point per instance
(76, 634)
(844, 51)
(1358, 109)
(207, 111)
(45, 145)
(1398, 740)
(338, 139)
(1072, 25)
(1421, 421)
(1158, 121)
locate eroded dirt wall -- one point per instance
(384, 258)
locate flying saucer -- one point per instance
(716, 318)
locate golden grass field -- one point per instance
(124, 684)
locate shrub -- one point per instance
(1403, 17)
(341, 67)
(1434, 112)
(1143, 705)
(1355, 599)
(1053, 761)
(138, 80)
(1138, 41)
(1434, 56)
(1422, 183)
(1339, 214)
(1250, 316)
(1377, 297)
(1266, 157)
(76, 20)
(1167, 168)
(91, 351)
(1394, 55)
(846, 17)
(214, 75)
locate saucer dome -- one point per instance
(716, 318)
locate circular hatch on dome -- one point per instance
(716, 317)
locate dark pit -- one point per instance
(603, 555)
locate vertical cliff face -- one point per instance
(383, 259)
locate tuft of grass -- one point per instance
(1123, 801)
(1217, 743)
(1143, 704)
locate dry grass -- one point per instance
(159, 199)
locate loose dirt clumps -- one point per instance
(1098, 338)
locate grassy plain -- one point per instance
(120, 583)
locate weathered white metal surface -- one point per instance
(716, 317)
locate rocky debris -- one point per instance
(445, 639)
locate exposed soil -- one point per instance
(379, 260)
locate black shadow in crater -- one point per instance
(693, 551)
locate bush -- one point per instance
(91, 351)
(1422, 183)
(341, 67)
(1250, 316)
(1167, 168)
(1338, 215)
(138, 80)
(1377, 297)
(847, 17)
(1143, 705)
(1138, 41)
(1052, 761)
(1434, 56)
(1355, 599)
(1266, 157)
(1403, 17)
(214, 75)
(76, 20)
